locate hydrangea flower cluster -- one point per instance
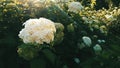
(87, 40)
(75, 7)
(62, 1)
(38, 31)
(34, 3)
(97, 48)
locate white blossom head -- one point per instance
(75, 7)
(87, 41)
(38, 31)
(34, 3)
(97, 48)
(77, 60)
(61, 1)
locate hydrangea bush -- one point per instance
(58, 34)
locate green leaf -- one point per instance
(65, 66)
(116, 48)
(49, 55)
(38, 63)
(27, 51)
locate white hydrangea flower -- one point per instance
(97, 48)
(77, 60)
(38, 31)
(75, 7)
(34, 3)
(62, 1)
(87, 41)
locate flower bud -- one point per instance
(59, 27)
(70, 28)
